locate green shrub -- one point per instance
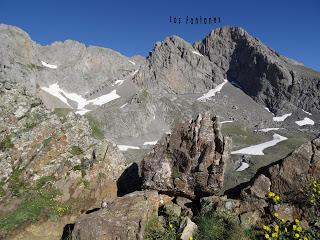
(6, 144)
(212, 226)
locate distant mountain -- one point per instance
(136, 100)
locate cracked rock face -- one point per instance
(190, 162)
(124, 218)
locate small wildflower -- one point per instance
(170, 225)
(299, 229)
(285, 229)
(294, 227)
(274, 235)
(276, 214)
(276, 228)
(267, 236)
(305, 238)
(283, 220)
(297, 235)
(297, 221)
(271, 194)
(190, 238)
(277, 198)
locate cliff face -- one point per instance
(262, 73)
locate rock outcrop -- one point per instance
(124, 218)
(190, 162)
(50, 162)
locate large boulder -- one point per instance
(123, 219)
(190, 162)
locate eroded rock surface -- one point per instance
(190, 162)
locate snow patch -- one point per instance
(305, 121)
(49, 65)
(135, 72)
(213, 92)
(119, 82)
(126, 147)
(281, 118)
(258, 149)
(55, 90)
(243, 166)
(124, 105)
(82, 112)
(150, 143)
(306, 112)
(197, 53)
(268, 129)
(132, 62)
(228, 121)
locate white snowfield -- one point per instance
(243, 166)
(305, 121)
(49, 65)
(258, 149)
(197, 53)
(150, 143)
(281, 118)
(132, 62)
(213, 92)
(55, 90)
(268, 129)
(228, 121)
(306, 112)
(126, 147)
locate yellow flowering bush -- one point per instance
(281, 229)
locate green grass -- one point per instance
(212, 226)
(30, 210)
(155, 230)
(37, 202)
(242, 136)
(6, 144)
(95, 127)
(30, 123)
(62, 112)
(76, 150)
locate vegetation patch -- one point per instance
(76, 150)
(37, 202)
(6, 144)
(47, 141)
(214, 226)
(155, 229)
(97, 133)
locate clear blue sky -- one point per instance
(132, 27)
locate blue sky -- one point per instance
(132, 27)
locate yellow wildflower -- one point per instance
(294, 227)
(305, 238)
(190, 238)
(285, 229)
(267, 236)
(297, 235)
(271, 194)
(274, 235)
(283, 220)
(277, 198)
(276, 228)
(297, 221)
(276, 214)
(299, 229)
(170, 225)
